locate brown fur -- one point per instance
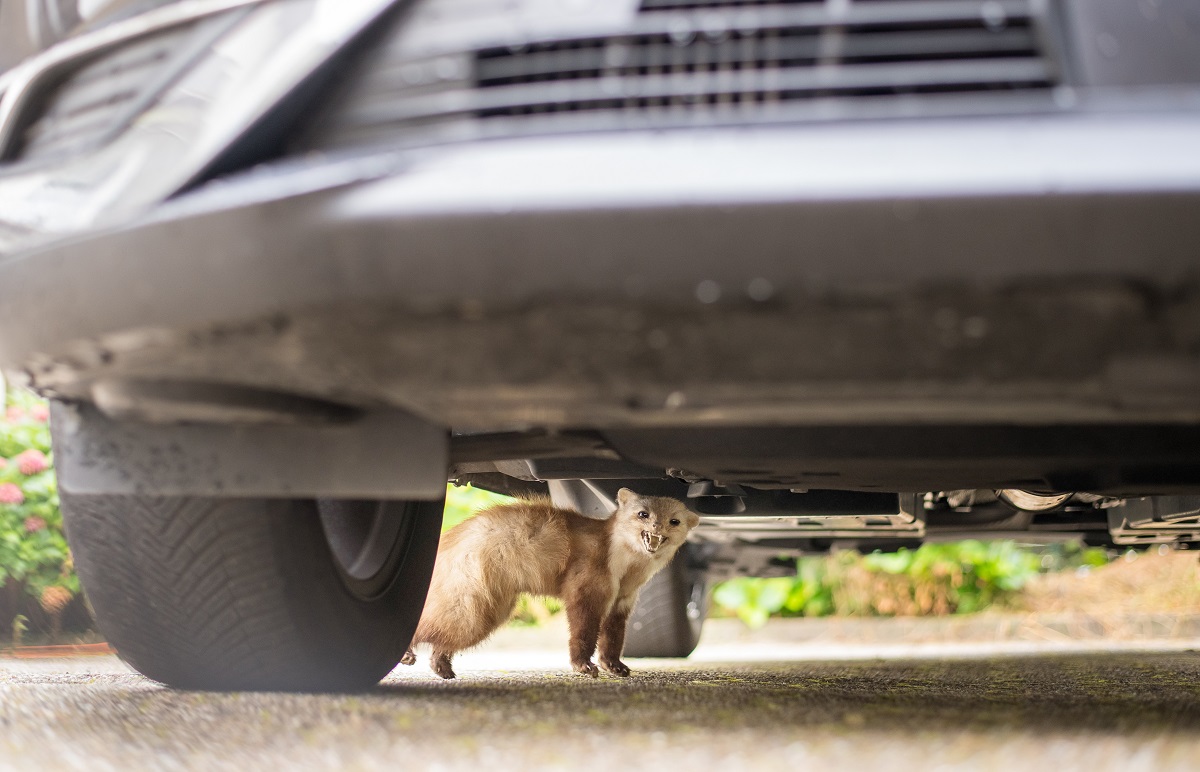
(595, 566)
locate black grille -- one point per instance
(675, 5)
(702, 61)
(705, 61)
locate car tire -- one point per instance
(255, 594)
(670, 611)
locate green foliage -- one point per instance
(464, 501)
(755, 600)
(974, 574)
(956, 578)
(532, 611)
(33, 550)
(1070, 555)
(23, 424)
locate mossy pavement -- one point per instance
(763, 708)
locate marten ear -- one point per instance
(693, 520)
(624, 496)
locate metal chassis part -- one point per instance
(1156, 520)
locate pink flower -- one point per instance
(34, 524)
(14, 413)
(40, 413)
(31, 461)
(11, 494)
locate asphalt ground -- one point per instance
(740, 703)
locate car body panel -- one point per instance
(662, 259)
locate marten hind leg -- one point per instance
(440, 662)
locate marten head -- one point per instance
(651, 525)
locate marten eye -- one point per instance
(644, 515)
(674, 521)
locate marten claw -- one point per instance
(409, 658)
(587, 668)
(617, 668)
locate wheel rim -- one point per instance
(366, 539)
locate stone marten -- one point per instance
(596, 567)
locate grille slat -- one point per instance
(859, 13)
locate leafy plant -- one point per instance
(33, 550)
(755, 600)
(956, 578)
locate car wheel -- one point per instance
(670, 611)
(255, 594)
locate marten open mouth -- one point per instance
(652, 541)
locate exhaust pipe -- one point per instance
(1026, 501)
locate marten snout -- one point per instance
(653, 540)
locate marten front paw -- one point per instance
(588, 668)
(616, 667)
(409, 658)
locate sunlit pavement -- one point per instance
(740, 703)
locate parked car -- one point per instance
(836, 273)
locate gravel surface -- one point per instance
(753, 707)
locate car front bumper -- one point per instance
(1037, 268)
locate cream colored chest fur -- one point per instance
(629, 570)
